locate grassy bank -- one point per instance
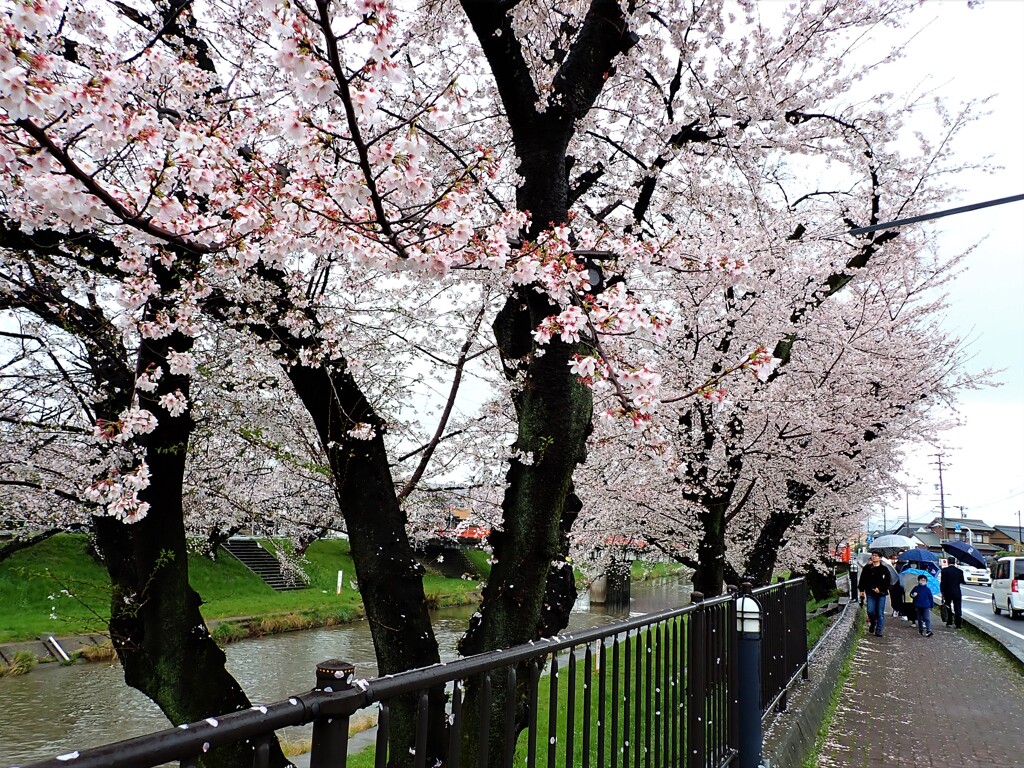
(643, 571)
(57, 588)
(816, 625)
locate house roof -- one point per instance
(965, 522)
(909, 530)
(928, 539)
(1012, 531)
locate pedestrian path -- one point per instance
(949, 700)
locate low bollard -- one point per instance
(330, 734)
(748, 629)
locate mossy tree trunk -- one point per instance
(390, 578)
(554, 410)
(155, 624)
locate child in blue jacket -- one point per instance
(923, 603)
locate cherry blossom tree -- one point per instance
(566, 172)
(763, 479)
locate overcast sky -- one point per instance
(970, 53)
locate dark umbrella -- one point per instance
(965, 553)
(918, 556)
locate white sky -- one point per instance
(970, 53)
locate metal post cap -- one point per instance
(334, 673)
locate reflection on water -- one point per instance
(56, 709)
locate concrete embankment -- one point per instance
(789, 736)
(50, 648)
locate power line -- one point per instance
(999, 501)
(928, 216)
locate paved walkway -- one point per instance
(949, 700)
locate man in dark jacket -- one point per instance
(874, 584)
(949, 585)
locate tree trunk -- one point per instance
(821, 581)
(709, 576)
(155, 624)
(554, 409)
(764, 554)
(390, 578)
(772, 536)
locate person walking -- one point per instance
(874, 584)
(924, 601)
(950, 581)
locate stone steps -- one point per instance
(261, 562)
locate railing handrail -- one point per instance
(770, 587)
(444, 672)
(189, 741)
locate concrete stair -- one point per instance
(261, 562)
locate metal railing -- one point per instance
(655, 690)
(783, 641)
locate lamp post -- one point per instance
(748, 628)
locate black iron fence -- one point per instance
(656, 690)
(783, 640)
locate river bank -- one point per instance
(55, 598)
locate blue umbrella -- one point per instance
(918, 556)
(965, 553)
(933, 583)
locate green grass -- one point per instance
(56, 577)
(643, 571)
(57, 588)
(365, 758)
(816, 625)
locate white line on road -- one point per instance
(994, 624)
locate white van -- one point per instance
(1008, 586)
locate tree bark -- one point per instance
(709, 575)
(554, 409)
(155, 624)
(390, 578)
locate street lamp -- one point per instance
(748, 628)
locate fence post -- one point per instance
(330, 734)
(748, 628)
(696, 689)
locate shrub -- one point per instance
(228, 632)
(100, 652)
(22, 664)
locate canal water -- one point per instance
(56, 709)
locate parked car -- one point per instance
(1008, 586)
(974, 575)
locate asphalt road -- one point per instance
(978, 606)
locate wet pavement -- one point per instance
(947, 700)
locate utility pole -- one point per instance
(942, 499)
(961, 507)
(907, 495)
(1020, 541)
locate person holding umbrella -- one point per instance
(923, 604)
(874, 584)
(949, 585)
